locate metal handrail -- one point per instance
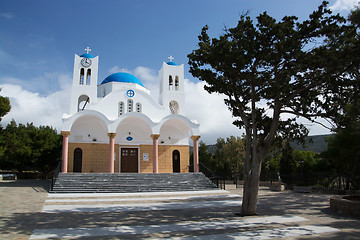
(55, 176)
(220, 182)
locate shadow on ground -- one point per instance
(314, 207)
(37, 185)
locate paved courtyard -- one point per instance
(27, 211)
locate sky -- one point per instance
(38, 40)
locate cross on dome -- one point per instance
(87, 50)
(171, 58)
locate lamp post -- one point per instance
(301, 162)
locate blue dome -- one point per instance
(172, 63)
(87, 55)
(122, 77)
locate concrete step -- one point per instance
(130, 182)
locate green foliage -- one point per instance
(4, 109)
(30, 148)
(287, 164)
(228, 158)
(48, 149)
(304, 168)
(354, 17)
(4, 106)
(344, 148)
(18, 153)
(270, 168)
(205, 156)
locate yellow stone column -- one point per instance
(155, 138)
(111, 154)
(65, 151)
(196, 152)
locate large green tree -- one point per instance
(227, 159)
(4, 106)
(229, 156)
(19, 147)
(344, 148)
(30, 148)
(47, 150)
(268, 69)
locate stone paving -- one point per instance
(27, 211)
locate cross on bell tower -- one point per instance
(87, 49)
(171, 58)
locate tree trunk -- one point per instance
(250, 193)
(251, 163)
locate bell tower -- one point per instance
(172, 95)
(84, 86)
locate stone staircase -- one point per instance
(130, 182)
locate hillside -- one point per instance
(316, 144)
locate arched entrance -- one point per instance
(176, 161)
(77, 166)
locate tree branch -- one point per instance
(310, 118)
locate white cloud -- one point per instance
(344, 5)
(27, 106)
(210, 111)
(146, 75)
(149, 78)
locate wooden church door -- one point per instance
(77, 165)
(129, 160)
(176, 161)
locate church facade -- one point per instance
(117, 126)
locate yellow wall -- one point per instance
(95, 157)
(165, 158)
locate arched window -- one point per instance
(121, 108)
(170, 82)
(176, 83)
(138, 107)
(82, 73)
(130, 105)
(104, 92)
(88, 76)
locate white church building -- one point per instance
(117, 126)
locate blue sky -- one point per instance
(38, 39)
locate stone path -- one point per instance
(158, 202)
(28, 212)
(139, 202)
